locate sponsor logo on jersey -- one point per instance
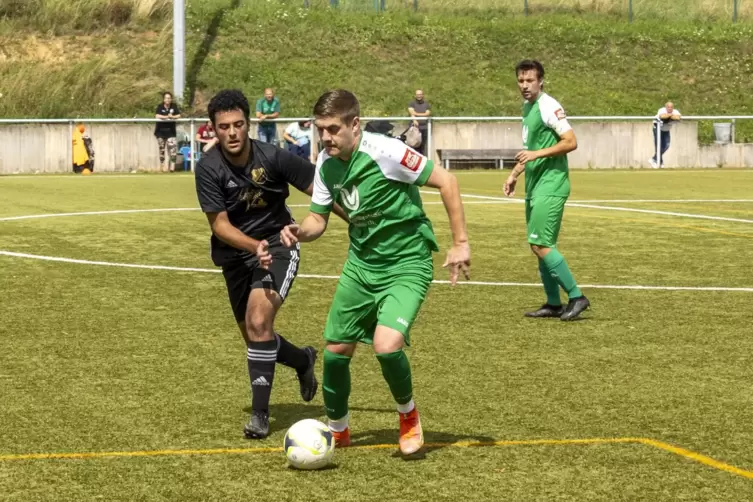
(560, 114)
(411, 160)
(525, 135)
(403, 322)
(232, 184)
(350, 198)
(253, 198)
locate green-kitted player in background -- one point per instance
(547, 139)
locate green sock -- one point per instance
(557, 266)
(336, 384)
(396, 371)
(551, 286)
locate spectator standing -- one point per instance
(166, 131)
(83, 152)
(267, 108)
(419, 107)
(206, 136)
(665, 118)
(298, 136)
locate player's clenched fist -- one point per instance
(509, 187)
(289, 235)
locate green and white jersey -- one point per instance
(543, 123)
(378, 189)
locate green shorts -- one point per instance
(543, 219)
(366, 298)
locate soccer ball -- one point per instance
(309, 444)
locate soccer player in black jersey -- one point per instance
(242, 186)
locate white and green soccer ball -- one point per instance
(309, 444)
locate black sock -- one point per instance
(291, 356)
(261, 370)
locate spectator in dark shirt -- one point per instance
(419, 107)
(166, 131)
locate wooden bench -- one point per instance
(498, 156)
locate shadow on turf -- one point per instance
(284, 415)
(434, 440)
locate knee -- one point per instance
(341, 349)
(388, 340)
(258, 327)
(539, 251)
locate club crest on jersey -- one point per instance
(350, 198)
(411, 160)
(259, 175)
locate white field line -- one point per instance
(171, 209)
(333, 277)
(628, 209)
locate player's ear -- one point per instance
(356, 123)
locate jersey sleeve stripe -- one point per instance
(425, 173)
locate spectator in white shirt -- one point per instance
(663, 121)
(298, 136)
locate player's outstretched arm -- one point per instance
(459, 256)
(232, 236)
(311, 228)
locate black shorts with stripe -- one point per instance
(244, 276)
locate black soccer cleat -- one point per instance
(307, 379)
(575, 307)
(547, 310)
(258, 426)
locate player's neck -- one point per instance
(535, 97)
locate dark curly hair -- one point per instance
(228, 100)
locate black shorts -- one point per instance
(246, 275)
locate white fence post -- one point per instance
(192, 145)
(429, 142)
(657, 126)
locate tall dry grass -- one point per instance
(58, 15)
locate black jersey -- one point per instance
(253, 196)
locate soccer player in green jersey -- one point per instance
(389, 267)
(547, 139)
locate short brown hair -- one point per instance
(338, 103)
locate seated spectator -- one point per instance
(206, 136)
(298, 136)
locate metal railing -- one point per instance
(430, 121)
(528, 7)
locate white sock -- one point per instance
(407, 407)
(340, 424)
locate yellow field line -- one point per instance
(691, 455)
(221, 451)
(703, 459)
